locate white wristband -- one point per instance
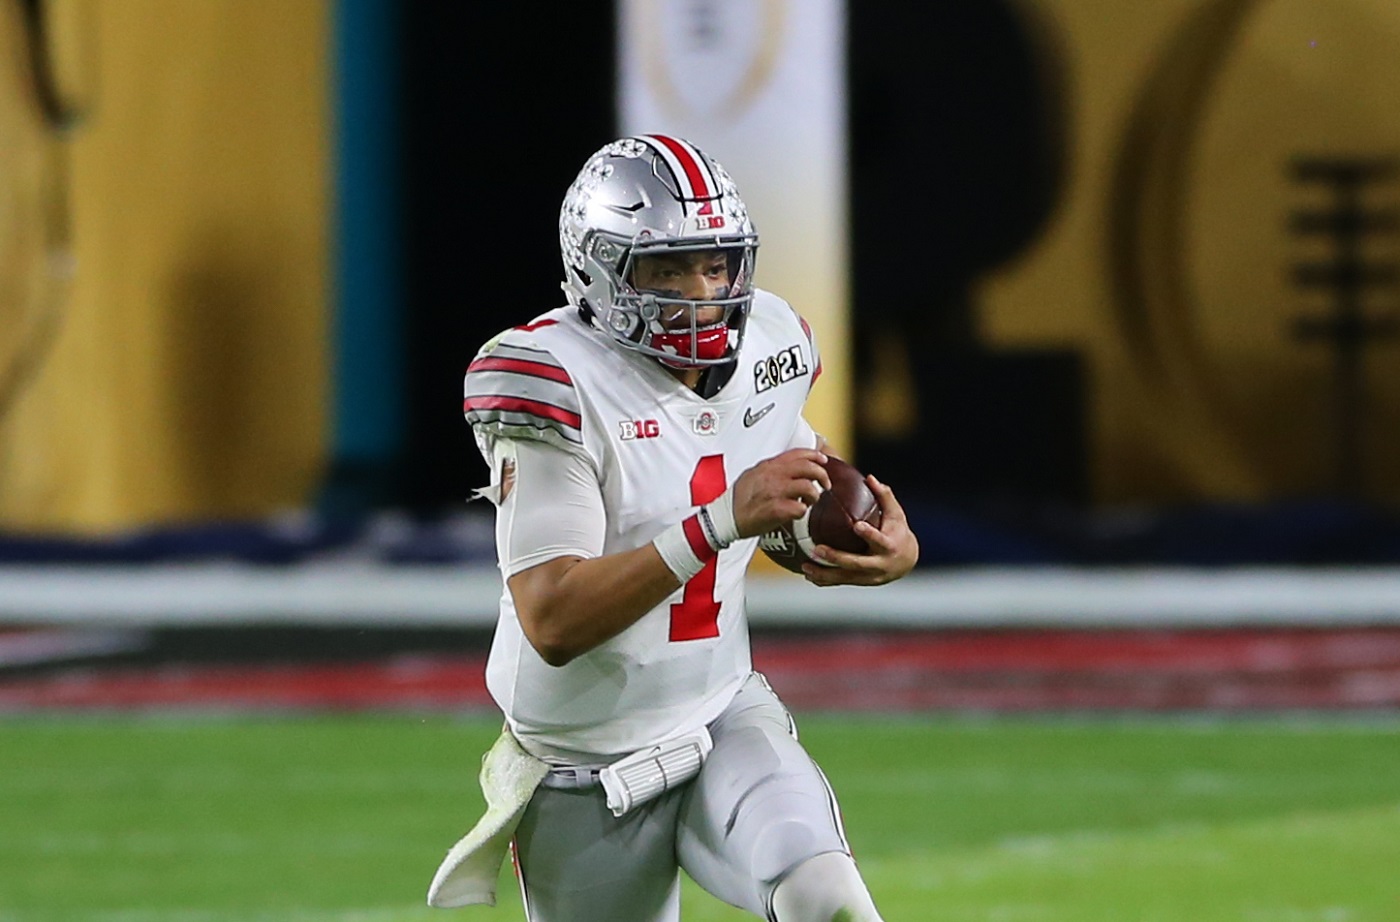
(684, 548)
(718, 517)
(694, 541)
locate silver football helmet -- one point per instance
(646, 195)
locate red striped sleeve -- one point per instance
(522, 367)
(522, 405)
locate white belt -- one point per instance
(633, 780)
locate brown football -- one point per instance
(830, 521)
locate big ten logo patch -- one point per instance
(639, 429)
(779, 369)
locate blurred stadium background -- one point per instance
(1107, 291)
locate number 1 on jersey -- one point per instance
(696, 615)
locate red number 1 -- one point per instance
(696, 615)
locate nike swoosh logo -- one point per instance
(750, 417)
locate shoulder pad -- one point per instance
(811, 339)
(515, 388)
(761, 296)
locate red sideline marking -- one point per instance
(1011, 670)
(399, 682)
(1248, 650)
(1090, 670)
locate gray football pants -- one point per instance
(759, 807)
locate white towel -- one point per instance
(468, 875)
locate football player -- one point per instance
(640, 440)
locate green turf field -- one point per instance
(196, 820)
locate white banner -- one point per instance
(760, 86)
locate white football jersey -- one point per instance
(660, 450)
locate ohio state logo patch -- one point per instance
(706, 423)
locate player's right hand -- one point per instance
(778, 490)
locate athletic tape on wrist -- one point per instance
(684, 548)
(693, 542)
(720, 516)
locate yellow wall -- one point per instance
(189, 377)
(1168, 260)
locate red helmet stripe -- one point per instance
(690, 164)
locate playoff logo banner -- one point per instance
(760, 85)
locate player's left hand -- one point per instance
(893, 548)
